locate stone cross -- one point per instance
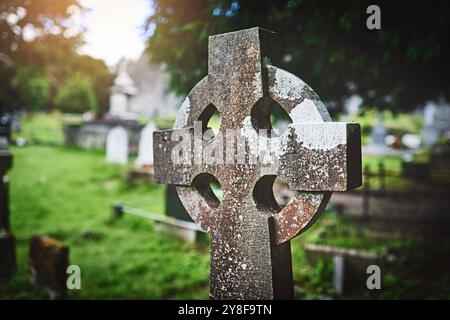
(250, 247)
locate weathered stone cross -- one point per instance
(250, 247)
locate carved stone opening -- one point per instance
(211, 120)
(270, 115)
(209, 188)
(271, 194)
(263, 195)
(282, 193)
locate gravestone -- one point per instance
(5, 164)
(436, 121)
(352, 105)
(121, 93)
(145, 152)
(379, 133)
(117, 146)
(7, 240)
(7, 255)
(430, 132)
(49, 259)
(250, 239)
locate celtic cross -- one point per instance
(250, 247)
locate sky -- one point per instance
(113, 28)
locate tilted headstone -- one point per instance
(436, 121)
(49, 259)
(117, 146)
(250, 247)
(145, 153)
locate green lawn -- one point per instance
(67, 194)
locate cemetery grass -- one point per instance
(67, 194)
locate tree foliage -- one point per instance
(324, 42)
(42, 38)
(76, 95)
(34, 87)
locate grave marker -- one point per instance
(8, 262)
(5, 164)
(49, 259)
(117, 146)
(7, 240)
(145, 153)
(250, 247)
(379, 133)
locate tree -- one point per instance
(33, 34)
(326, 43)
(39, 50)
(100, 76)
(76, 95)
(34, 87)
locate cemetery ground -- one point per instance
(67, 194)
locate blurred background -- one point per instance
(84, 83)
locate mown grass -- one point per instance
(67, 194)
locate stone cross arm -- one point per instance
(309, 156)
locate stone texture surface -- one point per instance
(250, 248)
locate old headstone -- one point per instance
(48, 261)
(145, 153)
(117, 146)
(7, 240)
(7, 255)
(352, 105)
(379, 133)
(339, 274)
(5, 164)
(250, 247)
(121, 93)
(436, 121)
